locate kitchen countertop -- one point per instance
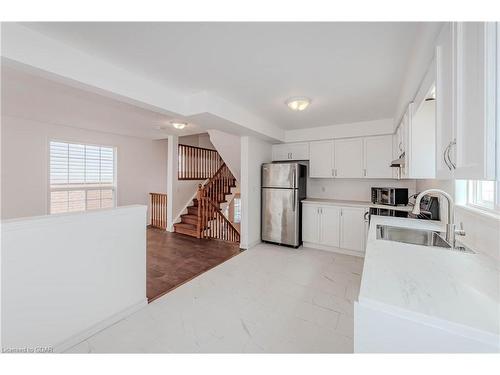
(458, 292)
(339, 202)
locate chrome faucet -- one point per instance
(451, 230)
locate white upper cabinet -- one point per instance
(378, 156)
(291, 151)
(348, 157)
(362, 157)
(466, 108)
(472, 153)
(444, 101)
(321, 159)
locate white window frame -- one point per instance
(473, 199)
(76, 187)
(234, 211)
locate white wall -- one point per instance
(482, 231)
(66, 276)
(229, 148)
(254, 152)
(141, 164)
(422, 55)
(197, 140)
(352, 189)
(355, 129)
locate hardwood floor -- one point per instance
(173, 259)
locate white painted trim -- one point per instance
(250, 245)
(82, 336)
(172, 166)
(338, 250)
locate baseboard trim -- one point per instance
(82, 336)
(359, 254)
(250, 245)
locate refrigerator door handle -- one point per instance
(294, 200)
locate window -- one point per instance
(82, 177)
(237, 210)
(483, 194)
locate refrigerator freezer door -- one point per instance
(280, 216)
(280, 175)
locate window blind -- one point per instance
(81, 177)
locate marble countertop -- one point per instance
(458, 292)
(340, 202)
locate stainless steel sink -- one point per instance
(416, 237)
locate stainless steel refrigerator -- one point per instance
(283, 188)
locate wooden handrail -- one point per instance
(197, 163)
(158, 210)
(211, 221)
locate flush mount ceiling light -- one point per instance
(298, 103)
(179, 125)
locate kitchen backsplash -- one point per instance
(352, 189)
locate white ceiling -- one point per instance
(351, 71)
(35, 98)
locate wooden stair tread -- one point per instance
(185, 225)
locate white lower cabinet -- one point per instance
(310, 223)
(329, 226)
(335, 228)
(352, 229)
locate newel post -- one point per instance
(198, 223)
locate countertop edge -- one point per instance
(363, 204)
(485, 337)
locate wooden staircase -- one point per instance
(204, 218)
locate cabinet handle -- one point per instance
(452, 143)
(444, 156)
(364, 172)
(365, 216)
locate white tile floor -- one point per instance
(268, 299)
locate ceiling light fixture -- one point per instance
(179, 125)
(298, 103)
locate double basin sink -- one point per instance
(417, 237)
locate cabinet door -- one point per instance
(330, 226)
(473, 154)
(348, 158)
(281, 152)
(378, 156)
(299, 151)
(444, 100)
(320, 159)
(310, 223)
(353, 228)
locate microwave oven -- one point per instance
(390, 196)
